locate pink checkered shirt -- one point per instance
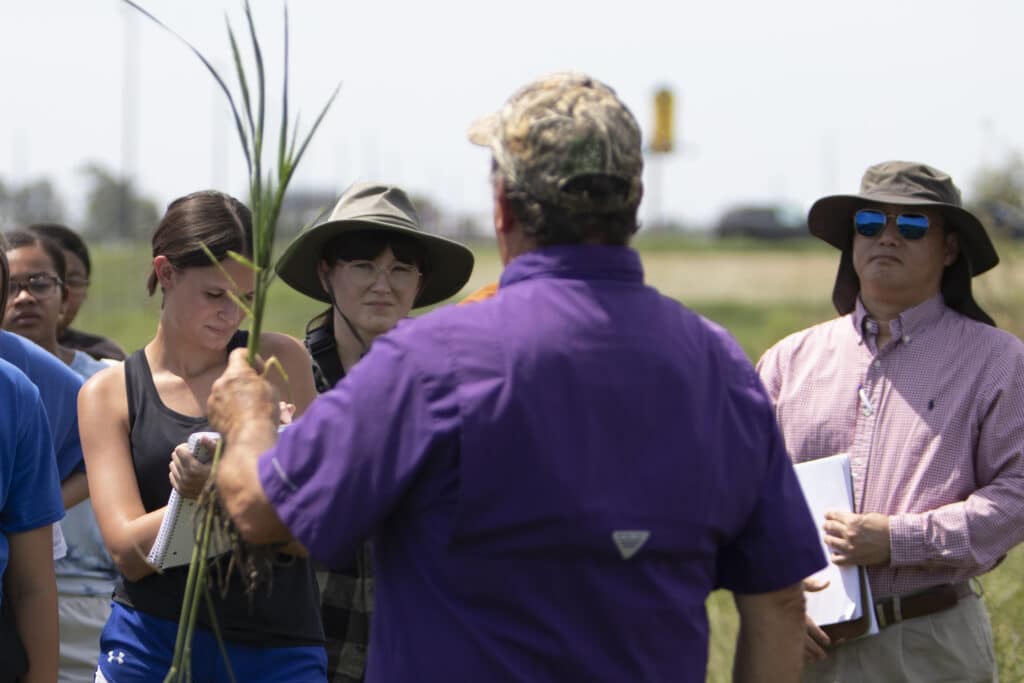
(934, 427)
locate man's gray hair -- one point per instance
(549, 225)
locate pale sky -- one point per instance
(776, 101)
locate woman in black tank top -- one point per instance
(133, 417)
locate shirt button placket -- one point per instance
(867, 420)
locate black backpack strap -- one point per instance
(327, 369)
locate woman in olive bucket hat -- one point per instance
(373, 231)
(373, 264)
(912, 185)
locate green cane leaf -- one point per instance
(261, 79)
(283, 138)
(242, 80)
(240, 303)
(316, 124)
(214, 261)
(239, 258)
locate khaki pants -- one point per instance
(954, 645)
(81, 621)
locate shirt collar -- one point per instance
(906, 324)
(577, 261)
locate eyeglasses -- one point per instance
(365, 273)
(871, 222)
(76, 282)
(39, 286)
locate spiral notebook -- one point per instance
(176, 538)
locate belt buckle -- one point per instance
(881, 614)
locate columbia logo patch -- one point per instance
(629, 542)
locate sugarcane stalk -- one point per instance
(266, 196)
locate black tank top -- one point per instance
(288, 616)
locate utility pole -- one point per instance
(129, 119)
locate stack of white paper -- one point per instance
(826, 484)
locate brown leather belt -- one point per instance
(899, 608)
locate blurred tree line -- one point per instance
(116, 211)
(36, 201)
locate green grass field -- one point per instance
(759, 293)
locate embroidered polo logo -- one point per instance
(119, 657)
(629, 542)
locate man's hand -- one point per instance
(857, 539)
(241, 396)
(244, 407)
(816, 640)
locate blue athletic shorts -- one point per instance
(138, 648)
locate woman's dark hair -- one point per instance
(213, 218)
(16, 239)
(68, 239)
(367, 245)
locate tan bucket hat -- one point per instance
(910, 184)
(371, 206)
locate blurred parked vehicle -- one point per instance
(1001, 217)
(762, 221)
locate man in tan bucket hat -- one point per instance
(916, 385)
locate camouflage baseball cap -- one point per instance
(562, 128)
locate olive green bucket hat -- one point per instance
(386, 208)
(913, 185)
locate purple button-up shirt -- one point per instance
(934, 426)
(554, 479)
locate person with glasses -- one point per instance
(38, 445)
(917, 386)
(39, 295)
(85, 575)
(557, 476)
(373, 264)
(78, 272)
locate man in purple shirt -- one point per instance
(556, 477)
(917, 386)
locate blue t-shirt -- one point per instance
(58, 387)
(29, 486)
(554, 479)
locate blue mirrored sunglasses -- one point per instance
(871, 222)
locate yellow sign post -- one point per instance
(661, 141)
